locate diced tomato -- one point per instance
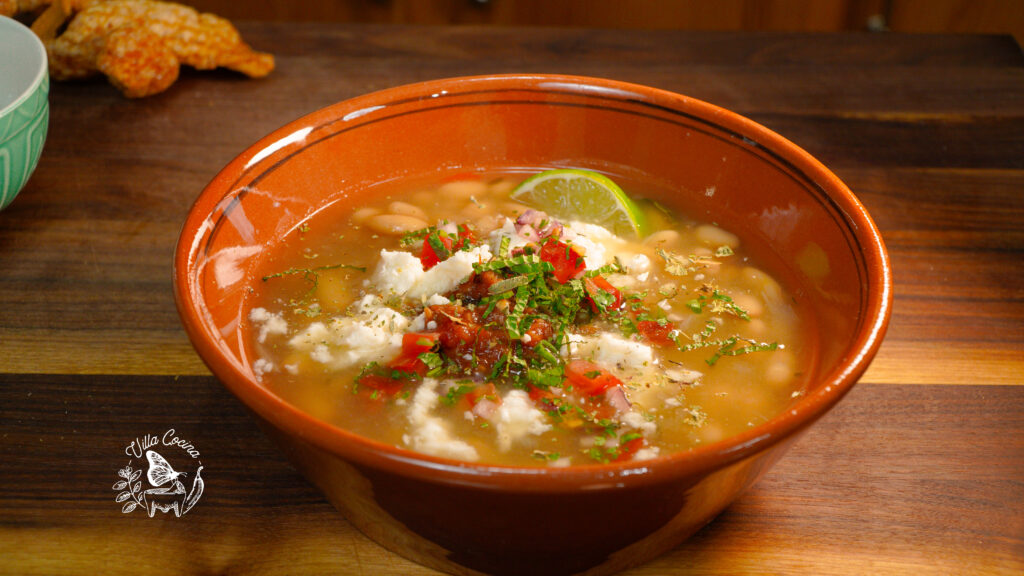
(429, 257)
(567, 261)
(628, 448)
(409, 365)
(596, 283)
(655, 332)
(540, 329)
(466, 236)
(484, 392)
(408, 361)
(383, 384)
(540, 395)
(414, 344)
(428, 254)
(589, 378)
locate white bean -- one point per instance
(462, 188)
(424, 198)
(407, 209)
(763, 283)
(757, 327)
(395, 224)
(780, 369)
(715, 236)
(662, 238)
(473, 210)
(361, 215)
(502, 187)
(752, 305)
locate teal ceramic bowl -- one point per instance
(24, 108)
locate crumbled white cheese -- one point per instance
(428, 434)
(646, 453)
(261, 366)
(616, 353)
(375, 335)
(447, 275)
(571, 345)
(321, 353)
(636, 264)
(396, 272)
(366, 305)
(402, 274)
(638, 421)
(436, 300)
(419, 323)
(268, 323)
(592, 239)
(517, 419)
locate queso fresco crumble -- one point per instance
(457, 323)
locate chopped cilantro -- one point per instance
(547, 456)
(456, 392)
(509, 284)
(434, 239)
(434, 362)
(716, 302)
(416, 237)
(677, 265)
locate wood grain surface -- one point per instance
(919, 471)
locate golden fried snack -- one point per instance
(141, 44)
(11, 7)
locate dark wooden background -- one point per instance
(945, 16)
(919, 471)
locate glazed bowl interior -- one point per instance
(24, 108)
(720, 165)
(23, 65)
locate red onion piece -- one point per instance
(616, 398)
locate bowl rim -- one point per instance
(42, 70)
(876, 309)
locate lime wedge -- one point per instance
(583, 195)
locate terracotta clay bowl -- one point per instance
(469, 518)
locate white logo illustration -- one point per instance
(168, 493)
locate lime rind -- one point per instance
(583, 195)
